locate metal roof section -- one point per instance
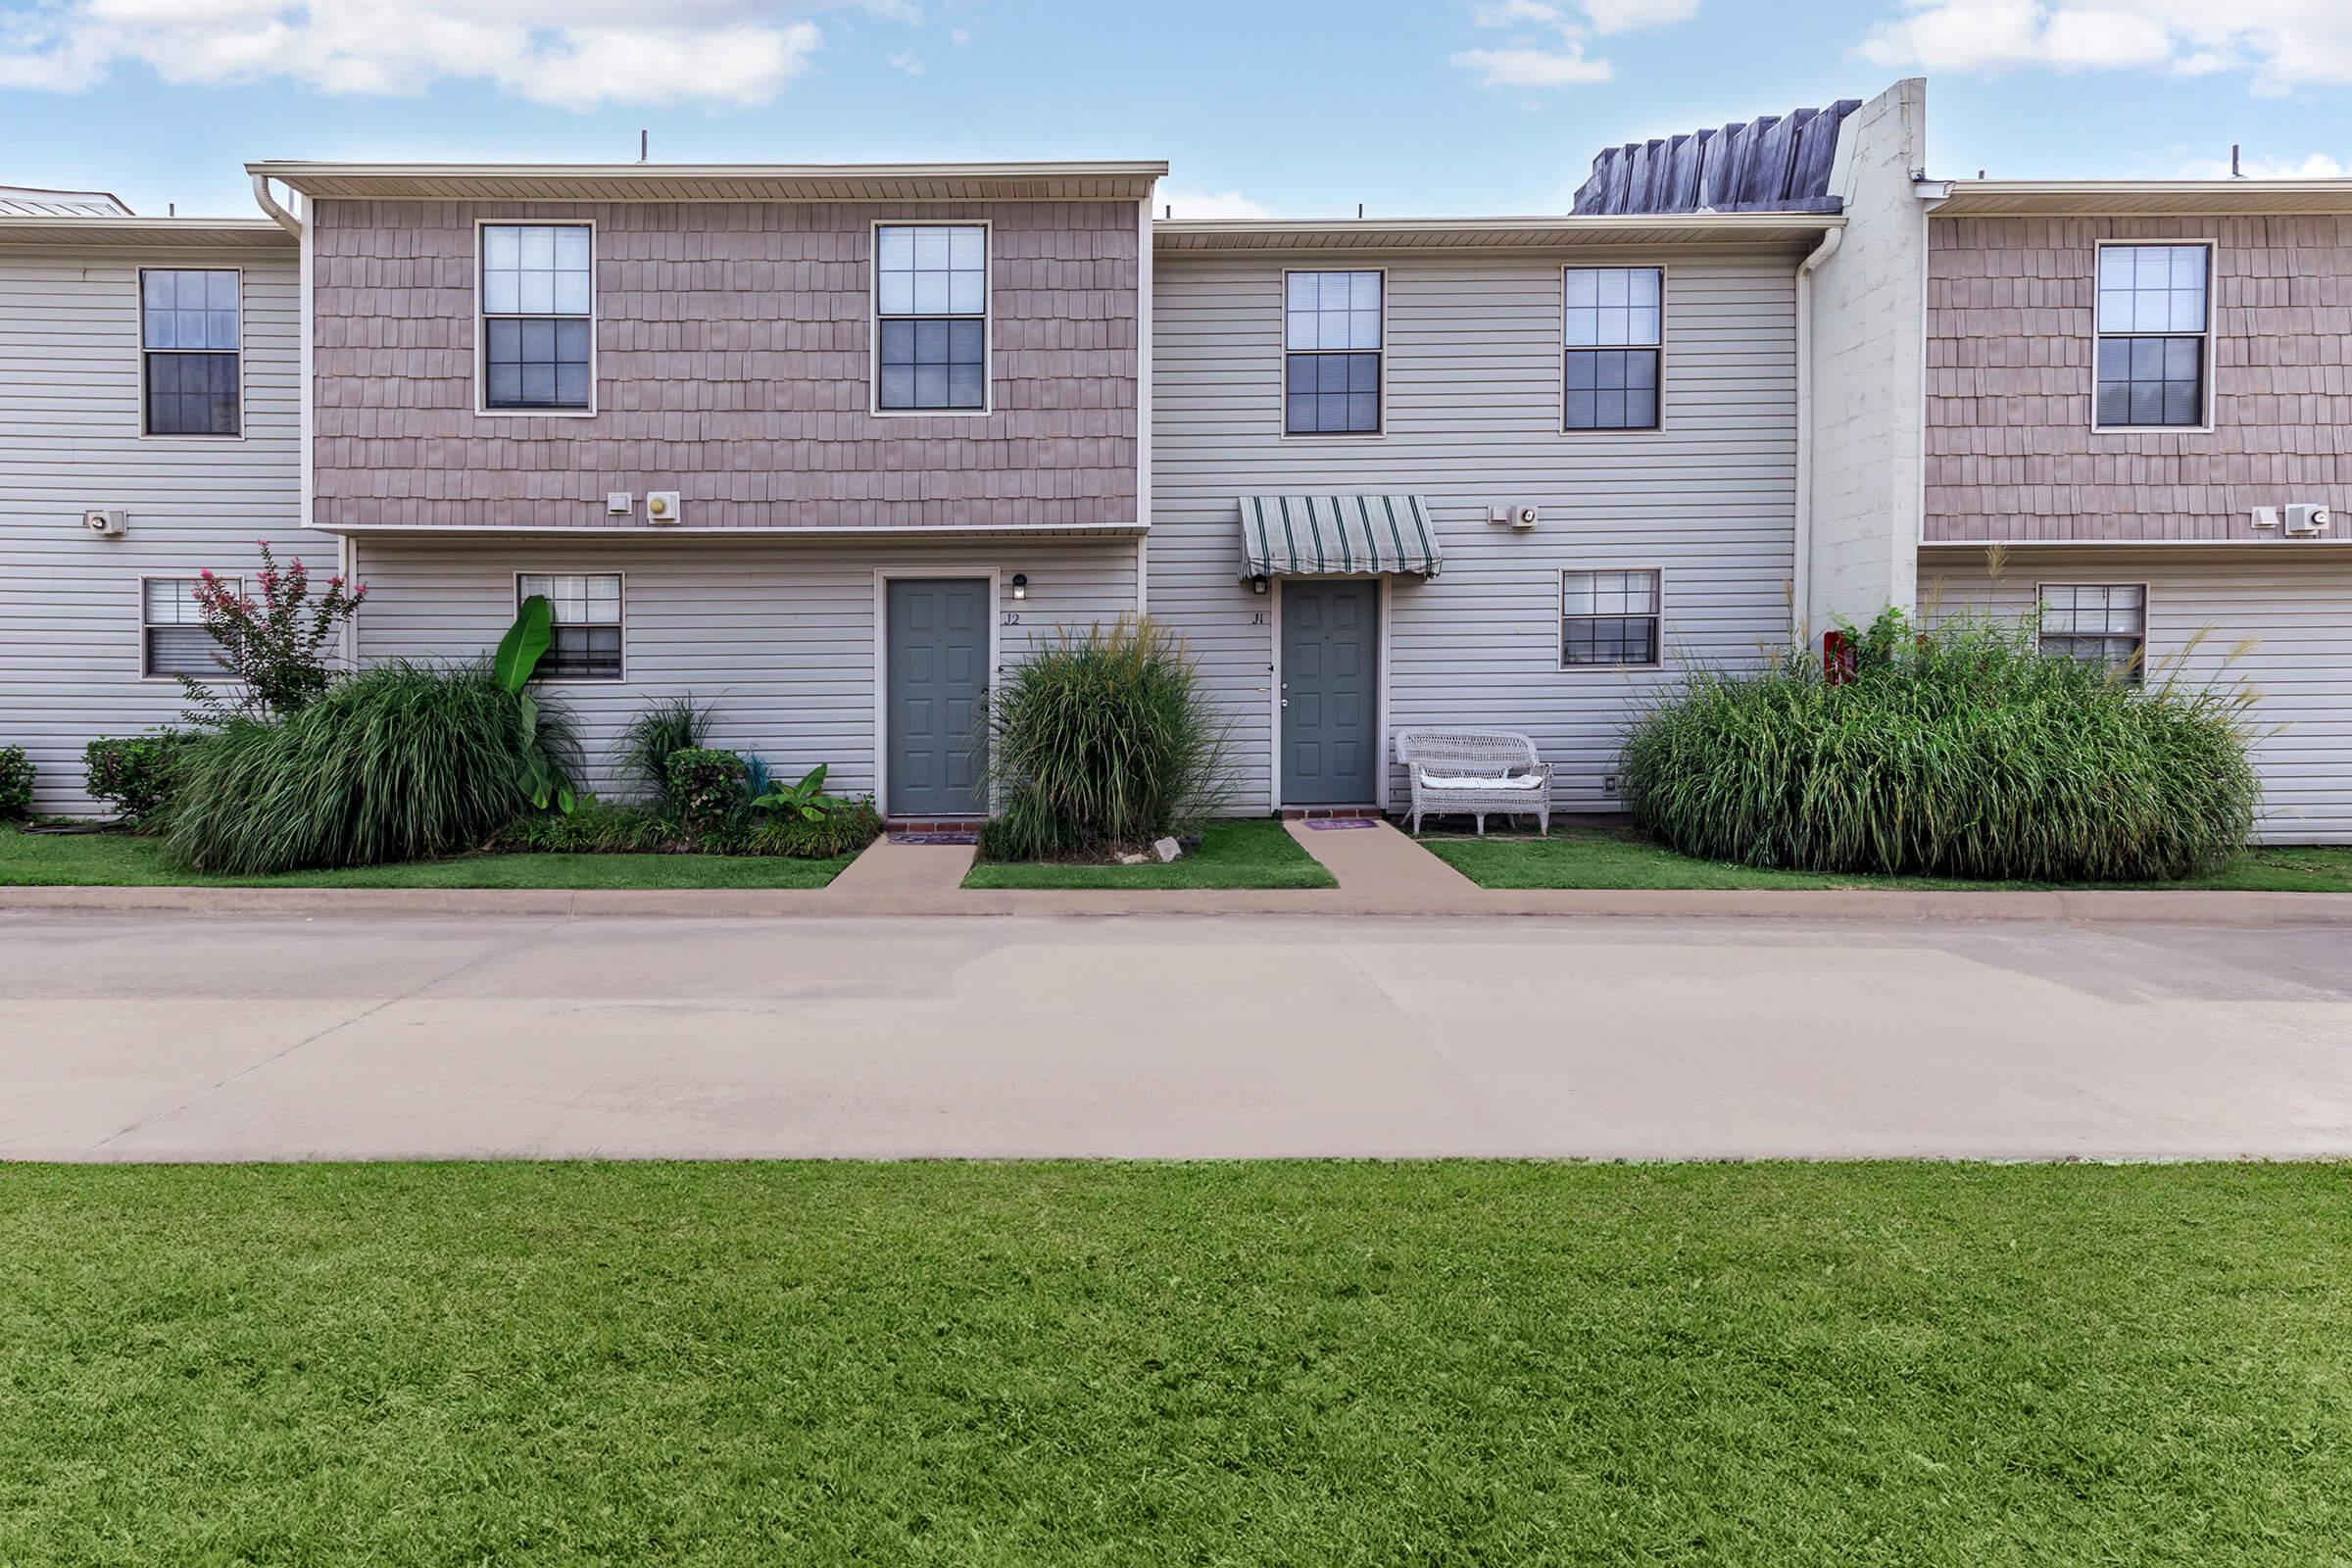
(2141, 198)
(31, 201)
(1779, 164)
(717, 183)
(127, 231)
(1541, 234)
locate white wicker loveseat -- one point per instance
(1475, 772)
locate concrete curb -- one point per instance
(2205, 909)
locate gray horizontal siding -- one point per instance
(2280, 627)
(1473, 371)
(776, 636)
(69, 655)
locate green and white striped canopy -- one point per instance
(1306, 536)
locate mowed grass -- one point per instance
(1621, 858)
(1231, 854)
(123, 859)
(1298, 1364)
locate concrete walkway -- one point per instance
(1372, 861)
(164, 1038)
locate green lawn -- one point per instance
(1615, 858)
(1320, 1365)
(122, 860)
(1233, 855)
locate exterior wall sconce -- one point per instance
(1258, 585)
(1020, 585)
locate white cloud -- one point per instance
(2318, 165)
(2280, 43)
(1564, 66)
(571, 53)
(1210, 204)
(1548, 48)
(909, 61)
(959, 36)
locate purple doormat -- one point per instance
(1337, 824)
(934, 838)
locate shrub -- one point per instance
(593, 827)
(652, 737)
(847, 828)
(706, 789)
(275, 644)
(137, 774)
(1965, 754)
(15, 783)
(1100, 741)
(402, 762)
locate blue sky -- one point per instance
(1290, 107)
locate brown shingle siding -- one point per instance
(2011, 453)
(732, 365)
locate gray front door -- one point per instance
(937, 651)
(1330, 692)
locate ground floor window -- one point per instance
(172, 638)
(586, 638)
(2098, 623)
(1609, 617)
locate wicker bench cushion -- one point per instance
(1523, 781)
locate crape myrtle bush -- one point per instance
(1965, 752)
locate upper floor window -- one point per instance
(931, 311)
(538, 316)
(2098, 623)
(174, 639)
(1613, 320)
(189, 340)
(2154, 338)
(1609, 617)
(1331, 362)
(584, 641)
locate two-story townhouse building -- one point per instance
(149, 382)
(1524, 472)
(825, 447)
(2132, 387)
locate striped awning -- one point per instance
(1306, 536)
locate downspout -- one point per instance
(270, 204)
(1801, 610)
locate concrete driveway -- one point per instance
(361, 1037)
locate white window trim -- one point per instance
(2212, 309)
(139, 307)
(988, 318)
(219, 677)
(2147, 610)
(1560, 617)
(481, 327)
(623, 623)
(1559, 423)
(1282, 363)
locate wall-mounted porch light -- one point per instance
(1020, 585)
(1258, 585)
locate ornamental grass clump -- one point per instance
(401, 761)
(1099, 743)
(1965, 752)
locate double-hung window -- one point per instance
(1613, 323)
(2096, 623)
(2155, 343)
(1609, 617)
(173, 637)
(585, 643)
(190, 335)
(931, 317)
(538, 316)
(1331, 362)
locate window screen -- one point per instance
(1613, 320)
(1609, 617)
(2098, 623)
(1331, 353)
(931, 309)
(190, 336)
(173, 637)
(538, 315)
(2153, 313)
(585, 641)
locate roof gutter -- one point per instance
(1801, 588)
(270, 204)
